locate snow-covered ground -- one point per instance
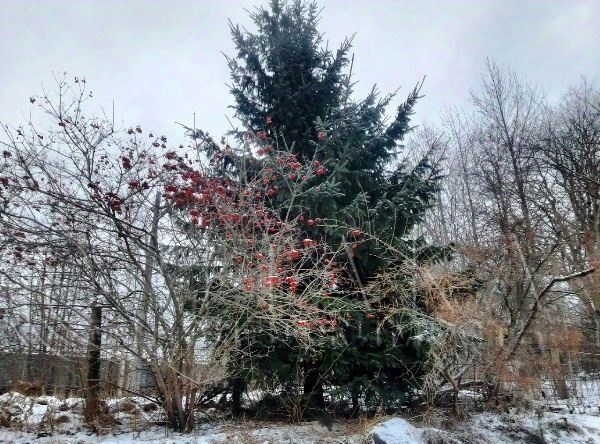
(488, 428)
(584, 391)
(225, 434)
(49, 420)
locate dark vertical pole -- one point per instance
(93, 358)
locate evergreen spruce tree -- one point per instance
(287, 82)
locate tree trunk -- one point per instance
(180, 417)
(560, 384)
(313, 388)
(237, 390)
(355, 403)
(93, 358)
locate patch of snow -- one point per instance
(469, 394)
(396, 431)
(531, 427)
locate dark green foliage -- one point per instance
(286, 82)
(282, 72)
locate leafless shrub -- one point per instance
(174, 259)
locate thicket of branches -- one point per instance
(175, 260)
(520, 204)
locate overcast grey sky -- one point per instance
(161, 61)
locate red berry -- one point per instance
(272, 281)
(248, 284)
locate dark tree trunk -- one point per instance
(355, 404)
(237, 390)
(313, 388)
(93, 358)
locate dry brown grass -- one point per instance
(29, 388)
(465, 317)
(364, 424)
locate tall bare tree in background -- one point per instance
(520, 205)
(570, 172)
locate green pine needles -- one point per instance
(287, 83)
